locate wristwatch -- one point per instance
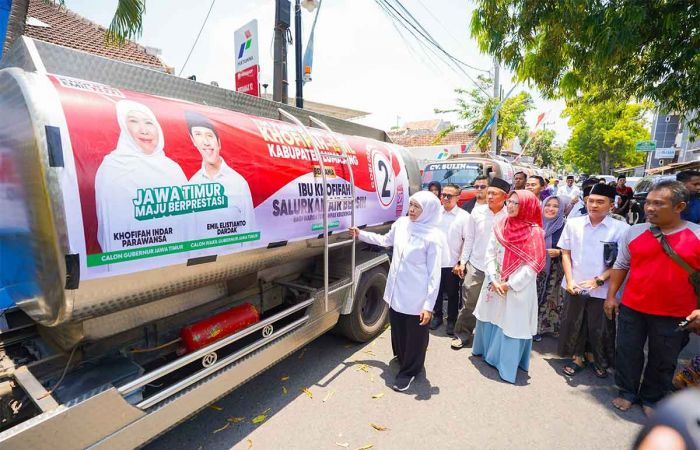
(598, 281)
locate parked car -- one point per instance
(641, 190)
(632, 182)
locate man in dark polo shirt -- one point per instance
(657, 296)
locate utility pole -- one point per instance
(297, 54)
(279, 79)
(496, 95)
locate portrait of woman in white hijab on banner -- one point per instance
(138, 163)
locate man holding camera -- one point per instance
(658, 256)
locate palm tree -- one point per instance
(127, 22)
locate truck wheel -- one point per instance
(369, 310)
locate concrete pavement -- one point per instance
(459, 402)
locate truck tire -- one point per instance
(369, 310)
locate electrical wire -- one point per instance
(197, 38)
(155, 349)
(396, 21)
(418, 31)
(423, 55)
(416, 52)
(63, 375)
(421, 40)
(426, 49)
(423, 32)
(432, 39)
(450, 35)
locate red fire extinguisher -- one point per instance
(217, 327)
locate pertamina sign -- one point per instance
(247, 59)
(245, 41)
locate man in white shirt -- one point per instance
(453, 223)
(238, 216)
(471, 265)
(570, 189)
(589, 248)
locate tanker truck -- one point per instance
(162, 241)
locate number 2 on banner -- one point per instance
(384, 180)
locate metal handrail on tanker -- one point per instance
(322, 167)
(352, 210)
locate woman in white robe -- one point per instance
(138, 162)
(506, 311)
(413, 281)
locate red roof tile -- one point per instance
(68, 29)
(427, 139)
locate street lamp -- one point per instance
(309, 5)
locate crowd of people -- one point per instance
(532, 259)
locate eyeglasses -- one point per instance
(512, 203)
(480, 187)
(447, 196)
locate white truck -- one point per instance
(162, 241)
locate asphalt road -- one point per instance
(329, 395)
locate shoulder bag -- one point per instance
(693, 275)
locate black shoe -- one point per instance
(450, 328)
(402, 383)
(435, 322)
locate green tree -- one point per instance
(543, 150)
(476, 108)
(604, 134)
(127, 22)
(617, 49)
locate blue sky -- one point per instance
(360, 61)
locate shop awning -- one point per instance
(675, 167)
(627, 169)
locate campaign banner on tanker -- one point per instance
(161, 181)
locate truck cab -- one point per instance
(462, 170)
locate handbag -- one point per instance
(693, 275)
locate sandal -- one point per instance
(600, 372)
(572, 368)
(617, 403)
